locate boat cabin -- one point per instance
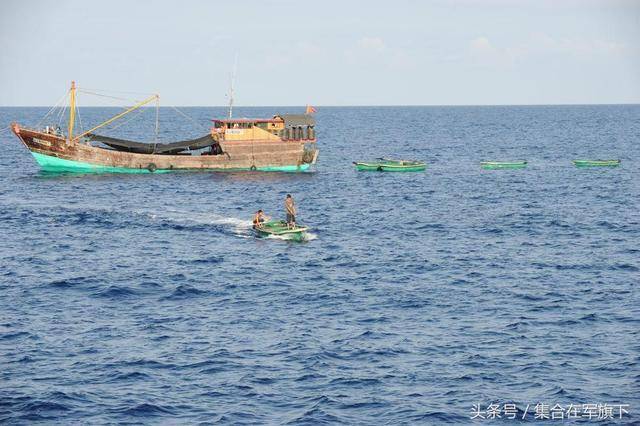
(299, 127)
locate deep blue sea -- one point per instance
(146, 298)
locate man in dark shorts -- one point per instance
(290, 208)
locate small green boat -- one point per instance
(387, 165)
(495, 165)
(279, 228)
(596, 163)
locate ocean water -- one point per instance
(146, 298)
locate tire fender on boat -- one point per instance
(253, 168)
(152, 167)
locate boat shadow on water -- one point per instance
(236, 176)
(256, 176)
(66, 175)
(307, 237)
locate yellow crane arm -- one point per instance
(115, 117)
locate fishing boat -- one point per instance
(282, 143)
(494, 165)
(388, 165)
(279, 228)
(596, 163)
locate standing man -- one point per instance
(290, 208)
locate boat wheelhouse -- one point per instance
(294, 127)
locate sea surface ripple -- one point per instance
(145, 298)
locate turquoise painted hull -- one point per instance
(54, 164)
(384, 165)
(498, 165)
(280, 229)
(596, 163)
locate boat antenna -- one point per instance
(233, 77)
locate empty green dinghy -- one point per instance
(596, 163)
(387, 165)
(279, 228)
(494, 165)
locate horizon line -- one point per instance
(342, 106)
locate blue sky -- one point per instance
(465, 52)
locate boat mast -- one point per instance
(233, 77)
(72, 108)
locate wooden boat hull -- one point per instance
(596, 163)
(391, 166)
(54, 153)
(279, 229)
(497, 165)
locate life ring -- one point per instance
(152, 167)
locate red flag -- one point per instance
(310, 109)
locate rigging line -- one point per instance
(52, 108)
(79, 119)
(123, 122)
(189, 118)
(157, 117)
(107, 96)
(133, 114)
(118, 91)
(119, 123)
(62, 108)
(62, 99)
(61, 115)
(115, 117)
(60, 112)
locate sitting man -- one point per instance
(259, 219)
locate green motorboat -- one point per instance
(596, 163)
(279, 228)
(387, 165)
(495, 165)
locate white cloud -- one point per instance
(302, 52)
(483, 52)
(375, 44)
(541, 42)
(481, 44)
(373, 51)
